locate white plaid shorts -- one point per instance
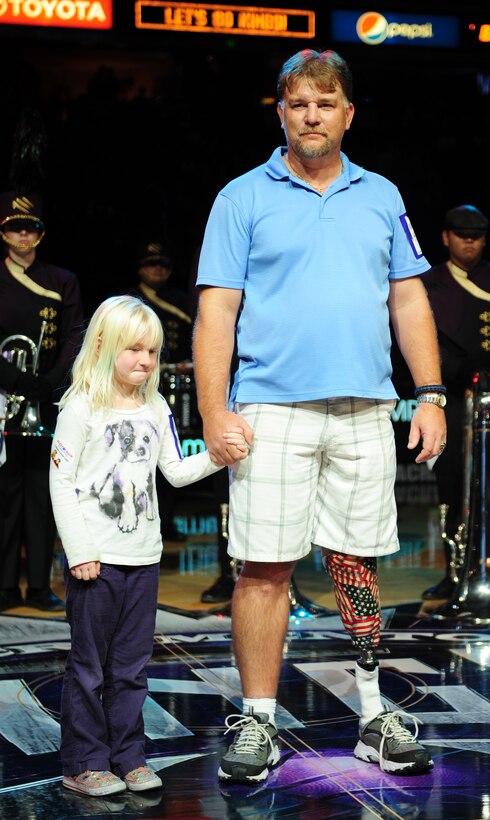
(319, 472)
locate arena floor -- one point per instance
(437, 671)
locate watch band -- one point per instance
(432, 398)
(429, 388)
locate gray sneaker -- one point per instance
(253, 752)
(387, 741)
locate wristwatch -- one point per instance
(432, 398)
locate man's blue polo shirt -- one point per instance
(315, 274)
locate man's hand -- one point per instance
(428, 424)
(218, 435)
(86, 572)
(235, 437)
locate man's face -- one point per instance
(465, 248)
(23, 239)
(154, 274)
(314, 121)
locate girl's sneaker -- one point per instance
(141, 779)
(96, 784)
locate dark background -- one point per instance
(145, 127)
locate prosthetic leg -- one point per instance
(355, 582)
(383, 737)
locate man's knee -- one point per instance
(264, 573)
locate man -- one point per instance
(316, 254)
(172, 306)
(41, 302)
(459, 292)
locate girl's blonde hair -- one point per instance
(120, 322)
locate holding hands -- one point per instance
(234, 437)
(227, 436)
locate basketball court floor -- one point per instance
(435, 670)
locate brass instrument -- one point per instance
(16, 349)
(456, 544)
(470, 601)
(235, 564)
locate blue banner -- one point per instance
(395, 29)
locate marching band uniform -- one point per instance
(30, 295)
(172, 307)
(460, 299)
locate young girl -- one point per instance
(114, 429)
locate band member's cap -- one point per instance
(466, 218)
(153, 252)
(18, 210)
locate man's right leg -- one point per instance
(272, 507)
(260, 614)
(260, 617)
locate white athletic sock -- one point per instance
(264, 706)
(368, 688)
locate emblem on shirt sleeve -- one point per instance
(410, 234)
(60, 453)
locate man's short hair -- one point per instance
(325, 69)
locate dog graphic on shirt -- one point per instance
(127, 490)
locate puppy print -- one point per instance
(127, 490)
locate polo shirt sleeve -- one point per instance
(407, 258)
(226, 247)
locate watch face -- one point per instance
(438, 399)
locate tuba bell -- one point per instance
(470, 601)
(23, 353)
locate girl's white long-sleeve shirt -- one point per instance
(102, 480)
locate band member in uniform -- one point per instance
(172, 307)
(42, 302)
(459, 293)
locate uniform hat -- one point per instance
(465, 218)
(153, 252)
(19, 210)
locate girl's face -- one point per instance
(134, 365)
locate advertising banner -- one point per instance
(93, 14)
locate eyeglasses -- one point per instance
(19, 225)
(468, 234)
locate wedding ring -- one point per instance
(443, 445)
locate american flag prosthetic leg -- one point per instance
(355, 582)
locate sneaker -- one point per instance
(141, 779)
(254, 750)
(387, 741)
(96, 784)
